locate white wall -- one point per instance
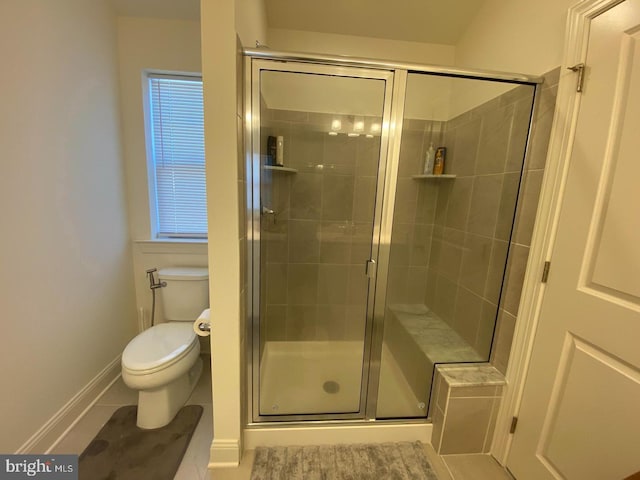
(222, 21)
(151, 44)
(515, 35)
(221, 146)
(67, 301)
(251, 22)
(355, 46)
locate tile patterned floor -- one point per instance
(196, 458)
(475, 467)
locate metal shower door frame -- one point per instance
(395, 84)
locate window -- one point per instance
(175, 146)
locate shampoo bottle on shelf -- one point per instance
(429, 159)
(438, 167)
(280, 151)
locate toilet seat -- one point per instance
(158, 348)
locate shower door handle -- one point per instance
(370, 268)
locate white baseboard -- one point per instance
(332, 434)
(47, 437)
(224, 453)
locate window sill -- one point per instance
(182, 245)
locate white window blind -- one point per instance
(177, 148)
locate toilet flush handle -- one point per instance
(204, 327)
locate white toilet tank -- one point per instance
(186, 293)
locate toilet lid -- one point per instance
(158, 345)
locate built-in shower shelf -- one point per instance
(275, 168)
(442, 176)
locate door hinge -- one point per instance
(514, 423)
(579, 67)
(545, 271)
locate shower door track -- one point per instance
(389, 65)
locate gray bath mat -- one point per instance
(122, 451)
(385, 461)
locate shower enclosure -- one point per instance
(367, 270)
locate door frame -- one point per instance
(544, 233)
(387, 176)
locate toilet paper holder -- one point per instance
(204, 327)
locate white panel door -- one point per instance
(580, 413)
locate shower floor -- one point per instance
(298, 378)
(310, 377)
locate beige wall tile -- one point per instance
(443, 394)
(275, 323)
(333, 284)
(367, 156)
(469, 392)
(302, 286)
(516, 267)
(406, 201)
(502, 340)
(412, 154)
(306, 196)
(304, 244)
(518, 136)
(416, 284)
(496, 270)
(337, 197)
(355, 322)
(465, 148)
(335, 244)
(452, 250)
(475, 263)
(276, 284)
(459, 202)
(444, 301)
(528, 207)
(421, 245)
(331, 322)
(305, 148)
(492, 422)
(427, 202)
(504, 222)
(494, 139)
(340, 154)
(301, 322)
(357, 285)
(486, 327)
(465, 427)
(364, 197)
(468, 311)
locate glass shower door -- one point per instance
(317, 144)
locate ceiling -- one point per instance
(427, 21)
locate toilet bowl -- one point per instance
(163, 362)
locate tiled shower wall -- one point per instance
(525, 218)
(450, 236)
(474, 213)
(320, 236)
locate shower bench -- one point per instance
(422, 342)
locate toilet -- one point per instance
(163, 362)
